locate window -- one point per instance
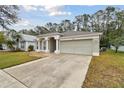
(23, 45)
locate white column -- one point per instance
(47, 44)
(35, 45)
(26, 46)
(38, 45)
(57, 51)
(42, 45)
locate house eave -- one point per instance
(69, 36)
(86, 36)
(49, 34)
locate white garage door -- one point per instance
(76, 47)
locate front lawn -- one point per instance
(107, 70)
(8, 59)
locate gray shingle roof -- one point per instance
(28, 37)
(50, 34)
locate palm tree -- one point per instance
(10, 44)
(14, 38)
(17, 38)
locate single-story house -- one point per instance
(26, 41)
(74, 42)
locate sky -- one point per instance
(32, 16)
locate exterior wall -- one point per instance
(22, 45)
(121, 48)
(26, 44)
(95, 46)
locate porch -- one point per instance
(49, 44)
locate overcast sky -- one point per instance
(40, 15)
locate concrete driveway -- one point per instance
(63, 70)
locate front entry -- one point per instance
(49, 44)
(52, 45)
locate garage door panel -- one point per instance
(76, 47)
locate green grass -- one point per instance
(107, 70)
(8, 59)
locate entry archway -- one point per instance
(52, 44)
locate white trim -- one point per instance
(42, 44)
(57, 51)
(78, 38)
(57, 37)
(39, 45)
(47, 44)
(86, 35)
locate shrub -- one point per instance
(104, 42)
(102, 49)
(30, 48)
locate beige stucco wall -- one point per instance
(91, 44)
(28, 43)
(95, 46)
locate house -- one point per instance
(74, 42)
(26, 41)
